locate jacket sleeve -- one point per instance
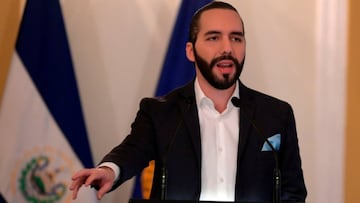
(137, 149)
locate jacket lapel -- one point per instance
(247, 111)
(187, 105)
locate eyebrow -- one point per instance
(237, 33)
(211, 32)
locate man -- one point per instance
(209, 148)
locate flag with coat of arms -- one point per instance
(44, 136)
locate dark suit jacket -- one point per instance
(155, 126)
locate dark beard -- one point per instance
(218, 83)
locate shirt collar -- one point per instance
(201, 97)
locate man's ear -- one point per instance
(190, 52)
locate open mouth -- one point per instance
(225, 66)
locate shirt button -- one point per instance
(220, 149)
(221, 180)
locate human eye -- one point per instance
(212, 35)
(212, 38)
(237, 38)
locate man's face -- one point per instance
(225, 79)
(219, 51)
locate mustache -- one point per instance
(223, 57)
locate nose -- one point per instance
(226, 47)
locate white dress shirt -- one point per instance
(219, 147)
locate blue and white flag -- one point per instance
(44, 137)
(176, 71)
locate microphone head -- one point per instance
(235, 101)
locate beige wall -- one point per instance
(352, 177)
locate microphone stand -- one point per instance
(163, 183)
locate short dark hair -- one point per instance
(194, 25)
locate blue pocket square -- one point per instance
(275, 141)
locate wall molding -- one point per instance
(331, 54)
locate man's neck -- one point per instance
(220, 98)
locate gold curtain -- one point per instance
(9, 24)
(352, 166)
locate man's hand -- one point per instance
(102, 178)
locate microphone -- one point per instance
(277, 176)
(188, 101)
